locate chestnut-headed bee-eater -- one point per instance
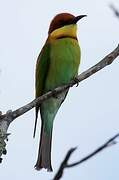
(57, 64)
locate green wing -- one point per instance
(42, 66)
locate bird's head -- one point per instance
(64, 23)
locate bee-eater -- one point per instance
(56, 65)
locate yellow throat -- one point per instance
(68, 31)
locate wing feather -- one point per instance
(42, 66)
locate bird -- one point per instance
(57, 64)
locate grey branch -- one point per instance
(115, 10)
(7, 118)
(64, 164)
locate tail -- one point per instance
(44, 153)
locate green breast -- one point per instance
(64, 62)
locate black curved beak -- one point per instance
(77, 18)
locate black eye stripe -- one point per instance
(64, 23)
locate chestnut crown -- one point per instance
(63, 19)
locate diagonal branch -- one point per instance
(107, 60)
(64, 164)
(115, 10)
(7, 118)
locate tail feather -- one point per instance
(48, 110)
(44, 153)
(34, 132)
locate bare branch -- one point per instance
(103, 63)
(7, 118)
(115, 10)
(64, 164)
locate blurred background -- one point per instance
(89, 115)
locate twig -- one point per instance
(7, 118)
(115, 10)
(64, 164)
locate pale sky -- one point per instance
(89, 115)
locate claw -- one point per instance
(55, 95)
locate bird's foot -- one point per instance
(76, 81)
(55, 95)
